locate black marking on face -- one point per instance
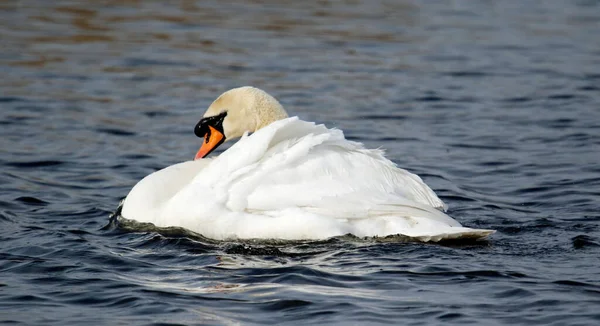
(216, 122)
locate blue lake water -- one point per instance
(495, 104)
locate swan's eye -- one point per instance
(214, 121)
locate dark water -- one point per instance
(495, 104)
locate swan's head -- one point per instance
(235, 112)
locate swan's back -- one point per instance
(293, 163)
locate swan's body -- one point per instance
(292, 179)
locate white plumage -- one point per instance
(293, 180)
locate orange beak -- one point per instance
(212, 139)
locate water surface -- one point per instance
(495, 104)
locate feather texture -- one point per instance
(294, 180)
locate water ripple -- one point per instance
(495, 107)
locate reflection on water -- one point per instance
(494, 103)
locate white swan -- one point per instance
(289, 179)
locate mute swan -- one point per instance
(288, 179)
